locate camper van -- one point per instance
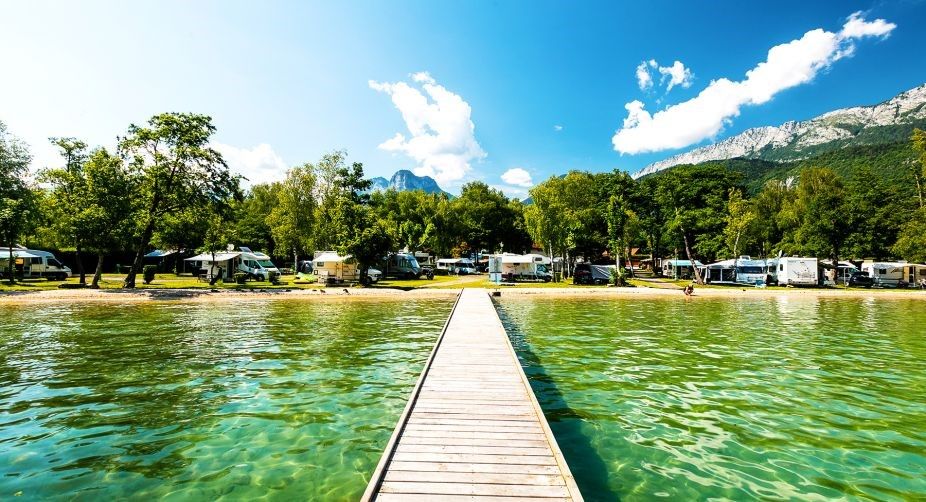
(460, 266)
(33, 263)
(742, 270)
(679, 269)
(401, 266)
(532, 267)
(793, 271)
(256, 264)
(332, 268)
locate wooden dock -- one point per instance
(472, 429)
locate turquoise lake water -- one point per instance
(731, 399)
(247, 401)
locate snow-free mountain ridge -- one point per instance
(798, 140)
(404, 180)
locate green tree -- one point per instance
(617, 222)
(291, 219)
(875, 213)
(484, 217)
(65, 207)
(250, 217)
(103, 211)
(181, 231)
(740, 218)
(919, 171)
(911, 241)
(822, 213)
(695, 201)
(771, 223)
(177, 171)
(17, 200)
(545, 217)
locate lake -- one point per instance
(800, 398)
(278, 400)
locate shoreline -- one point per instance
(201, 295)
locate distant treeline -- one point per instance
(165, 187)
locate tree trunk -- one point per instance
(11, 267)
(694, 267)
(618, 281)
(919, 188)
(80, 266)
(99, 271)
(129, 281)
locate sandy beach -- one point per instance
(342, 294)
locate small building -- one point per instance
(680, 269)
(332, 268)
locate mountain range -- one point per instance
(891, 121)
(404, 180)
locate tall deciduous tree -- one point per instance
(919, 167)
(740, 218)
(17, 203)
(822, 213)
(66, 201)
(104, 207)
(617, 222)
(177, 171)
(291, 221)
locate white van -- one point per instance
(34, 263)
(256, 264)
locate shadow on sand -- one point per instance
(588, 469)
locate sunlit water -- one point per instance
(243, 401)
(779, 398)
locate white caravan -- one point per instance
(33, 263)
(895, 274)
(256, 264)
(332, 268)
(794, 271)
(526, 267)
(743, 270)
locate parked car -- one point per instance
(859, 280)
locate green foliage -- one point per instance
(291, 217)
(911, 239)
(148, 273)
(241, 278)
(17, 200)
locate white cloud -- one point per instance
(644, 79)
(557, 128)
(443, 140)
(511, 192)
(259, 164)
(704, 116)
(518, 176)
(677, 74)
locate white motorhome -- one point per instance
(742, 270)
(895, 274)
(460, 266)
(256, 264)
(680, 269)
(226, 263)
(793, 271)
(332, 268)
(515, 267)
(33, 263)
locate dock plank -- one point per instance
(472, 429)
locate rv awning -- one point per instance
(157, 253)
(17, 253)
(207, 257)
(323, 257)
(527, 258)
(683, 263)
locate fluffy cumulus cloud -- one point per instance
(441, 132)
(675, 75)
(704, 116)
(258, 165)
(518, 177)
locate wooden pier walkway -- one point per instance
(472, 429)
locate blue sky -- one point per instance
(531, 89)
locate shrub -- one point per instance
(148, 273)
(273, 277)
(241, 277)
